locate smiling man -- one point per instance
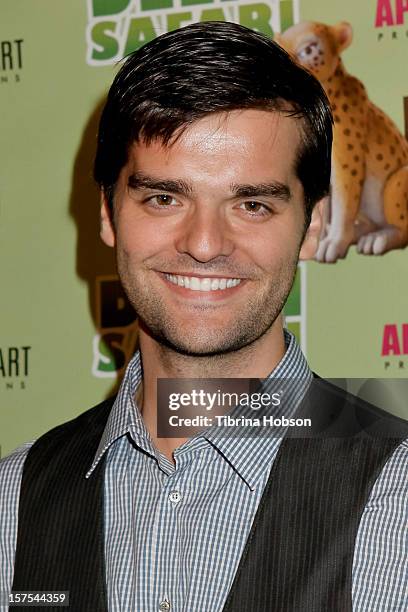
(208, 230)
(213, 161)
(208, 234)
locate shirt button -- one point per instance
(164, 606)
(175, 497)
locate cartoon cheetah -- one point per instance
(369, 185)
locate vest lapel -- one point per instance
(299, 554)
(60, 544)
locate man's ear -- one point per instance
(311, 239)
(107, 232)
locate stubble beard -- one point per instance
(253, 319)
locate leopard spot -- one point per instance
(345, 166)
(356, 158)
(354, 172)
(352, 120)
(402, 217)
(350, 147)
(387, 167)
(336, 119)
(398, 205)
(358, 134)
(380, 157)
(345, 107)
(346, 132)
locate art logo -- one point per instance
(14, 366)
(11, 60)
(391, 13)
(391, 16)
(395, 345)
(118, 27)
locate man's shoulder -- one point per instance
(397, 464)
(12, 465)
(89, 418)
(400, 456)
(404, 448)
(338, 410)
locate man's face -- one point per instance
(208, 230)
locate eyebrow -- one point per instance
(274, 189)
(138, 180)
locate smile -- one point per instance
(202, 284)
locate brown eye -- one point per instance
(255, 209)
(253, 206)
(163, 199)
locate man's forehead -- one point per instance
(254, 129)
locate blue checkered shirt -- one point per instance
(174, 533)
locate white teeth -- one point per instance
(203, 284)
(195, 283)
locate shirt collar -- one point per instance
(125, 414)
(249, 456)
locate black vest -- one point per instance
(298, 556)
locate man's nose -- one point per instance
(205, 234)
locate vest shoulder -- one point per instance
(89, 417)
(350, 414)
(87, 427)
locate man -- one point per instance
(213, 161)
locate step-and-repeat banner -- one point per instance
(67, 329)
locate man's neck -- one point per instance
(256, 360)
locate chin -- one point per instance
(201, 346)
(187, 346)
